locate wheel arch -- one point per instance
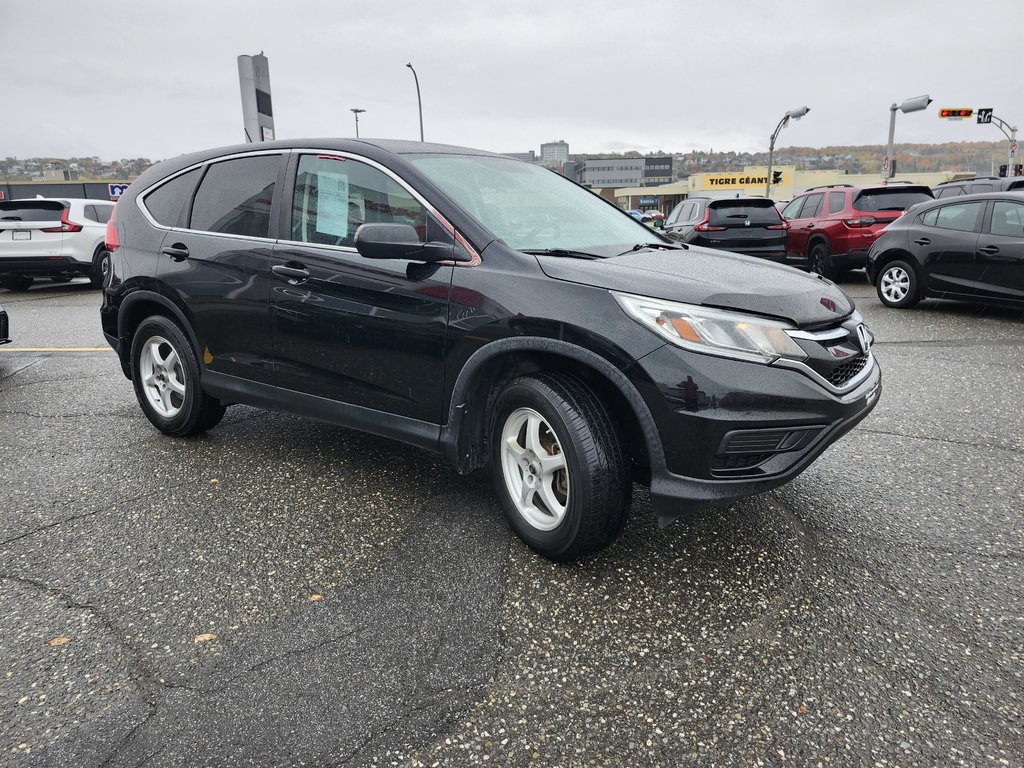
(135, 309)
(887, 257)
(464, 437)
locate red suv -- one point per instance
(833, 227)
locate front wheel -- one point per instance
(559, 466)
(165, 375)
(897, 285)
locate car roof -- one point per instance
(1017, 195)
(61, 200)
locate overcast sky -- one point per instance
(130, 78)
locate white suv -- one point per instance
(54, 238)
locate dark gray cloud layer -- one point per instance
(120, 78)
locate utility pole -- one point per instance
(356, 112)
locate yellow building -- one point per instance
(751, 181)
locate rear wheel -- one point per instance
(559, 466)
(165, 375)
(898, 285)
(16, 283)
(821, 261)
(100, 267)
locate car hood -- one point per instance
(711, 278)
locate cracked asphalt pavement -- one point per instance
(281, 592)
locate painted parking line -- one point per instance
(56, 349)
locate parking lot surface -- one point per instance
(283, 592)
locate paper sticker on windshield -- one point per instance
(332, 203)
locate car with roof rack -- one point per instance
(409, 290)
(831, 227)
(977, 185)
(56, 238)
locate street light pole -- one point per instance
(1010, 132)
(915, 104)
(419, 101)
(356, 112)
(794, 114)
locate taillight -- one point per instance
(704, 226)
(110, 240)
(781, 225)
(65, 225)
(863, 221)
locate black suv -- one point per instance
(750, 225)
(486, 309)
(977, 186)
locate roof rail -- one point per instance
(827, 186)
(972, 178)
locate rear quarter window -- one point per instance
(167, 203)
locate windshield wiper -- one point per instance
(560, 252)
(665, 246)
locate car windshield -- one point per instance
(530, 207)
(890, 199)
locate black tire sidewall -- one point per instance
(827, 269)
(522, 394)
(96, 273)
(913, 295)
(184, 422)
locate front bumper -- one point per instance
(730, 429)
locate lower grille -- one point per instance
(841, 374)
(744, 461)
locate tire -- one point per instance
(100, 267)
(16, 283)
(165, 375)
(898, 285)
(579, 503)
(820, 261)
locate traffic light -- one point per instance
(776, 177)
(1018, 169)
(958, 113)
(1002, 171)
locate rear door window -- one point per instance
(1007, 219)
(103, 213)
(167, 203)
(235, 196)
(962, 217)
(732, 213)
(836, 201)
(335, 195)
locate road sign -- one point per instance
(1013, 149)
(885, 165)
(984, 115)
(956, 113)
(116, 190)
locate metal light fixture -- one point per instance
(419, 101)
(356, 112)
(793, 114)
(915, 104)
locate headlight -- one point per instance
(713, 331)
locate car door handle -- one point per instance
(989, 250)
(292, 272)
(923, 241)
(178, 251)
(809, 226)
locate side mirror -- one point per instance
(400, 241)
(659, 223)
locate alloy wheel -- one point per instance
(163, 378)
(535, 470)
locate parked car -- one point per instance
(831, 228)
(750, 225)
(641, 216)
(977, 185)
(5, 327)
(58, 239)
(655, 214)
(969, 248)
(571, 357)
